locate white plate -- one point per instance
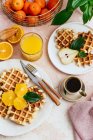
(8, 128)
(52, 51)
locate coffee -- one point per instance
(73, 84)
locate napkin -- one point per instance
(81, 116)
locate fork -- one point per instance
(36, 72)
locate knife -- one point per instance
(39, 82)
(30, 75)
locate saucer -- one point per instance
(70, 97)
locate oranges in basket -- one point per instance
(41, 3)
(30, 12)
(32, 20)
(34, 8)
(26, 7)
(17, 4)
(51, 4)
(19, 15)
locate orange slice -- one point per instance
(17, 36)
(20, 103)
(8, 98)
(21, 89)
(6, 50)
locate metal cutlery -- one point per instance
(33, 70)
(39, 82)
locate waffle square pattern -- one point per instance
(64, 39)
(9, 79)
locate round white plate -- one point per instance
(53, 51)
(7, 127)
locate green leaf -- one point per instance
(78, 43)
(83, 7)
(62, 17)
(86, 15)
(78, 3)
(91, 2)
(32, 97)
(69, 4)
(87, 9)
(82, 54)
(90, 12)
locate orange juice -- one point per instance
(31, 46)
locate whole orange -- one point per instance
(51, 4)
(45, 14)
(26, 6)
(42, 3)
(7, 4)
(34, 9)
(43, 11)
(17, 4)
(32, 20)
(19, 15)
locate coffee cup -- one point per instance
(73, 85)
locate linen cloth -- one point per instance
(81, 115)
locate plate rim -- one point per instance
(42, 121)
(68, 73)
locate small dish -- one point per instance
(70, 97)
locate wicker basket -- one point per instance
(32, 20)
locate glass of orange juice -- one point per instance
(31, 46)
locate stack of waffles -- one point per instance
(87, 48)
(8, 81)
(64, 39)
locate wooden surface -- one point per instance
(57, 126)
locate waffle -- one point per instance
(64, 38)
(27, 114)
(88, 45)
(3, 108)
(88, 60)
(9, 79)
(40, 103)
(22, 116)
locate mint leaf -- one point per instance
(32, 97)
(62, 17)
(78, 43)
(82, 54)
